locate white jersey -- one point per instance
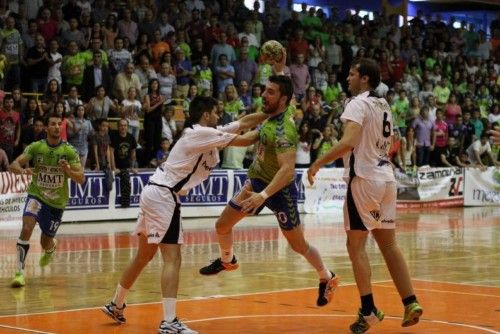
(193, 157)
(370, 158)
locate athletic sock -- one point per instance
(226, 255)
(120, 295)
(169, 308)
(325, 274)
(408, 300)
(22, 248)
(367, 304)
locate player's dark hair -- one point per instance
(285, 84)
(51, 115)
(199, 106)
(370, 68)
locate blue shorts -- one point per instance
(283, 204)
(48, 217)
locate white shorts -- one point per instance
(370, 204)
(159, 216)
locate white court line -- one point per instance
(338, 315)
(181, 300)
(461, 283)
(25, 329)
(446, 291)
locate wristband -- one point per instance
(264, 194)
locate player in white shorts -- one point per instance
(370, 204)
(159, 223)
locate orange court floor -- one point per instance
(453, 256)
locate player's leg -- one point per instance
(360, 201)
(171, 254)
(145, 253)
(284, 206)
(22, 247)
(49, 223)
(386, 240)
(231, 215)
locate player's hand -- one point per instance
(279, 67)
(27, 171)
(311, 173)
(63, 163)
(252, 203)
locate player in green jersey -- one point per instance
(271, 184)
(53, 161)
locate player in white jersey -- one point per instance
(370, 205)
(159, 223)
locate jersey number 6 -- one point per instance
(386, 126)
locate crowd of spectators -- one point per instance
(139, 61)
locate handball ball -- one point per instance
(272, 51)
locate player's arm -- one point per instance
(74, 172)
(246, 139)
(252, 120)
(352, 134)
(16, 165)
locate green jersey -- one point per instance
(50, 183)
(277, 135)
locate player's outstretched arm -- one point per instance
(252, 120)
(16, 165)
(246, 139)
(352, 133)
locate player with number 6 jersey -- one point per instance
(370, 204)
(53, 161)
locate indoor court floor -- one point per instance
(453, 255)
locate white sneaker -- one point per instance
(174, 327)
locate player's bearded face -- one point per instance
(54, 128)
(271, 99)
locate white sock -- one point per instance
(325, 274)
(120, 295)
(226, 255)
(169, 308)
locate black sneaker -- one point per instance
(326, 290)
(115, 313)
(217, 266)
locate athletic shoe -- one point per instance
(364, 322)
(115, 313)
(174, 327)
(47, 257)
(326, 290)
(18, 280)
(217, 266)
(413, 312)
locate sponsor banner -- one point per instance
(440, 183)
(92, 202)
(328, 192)
(482, 188)
(90, 195)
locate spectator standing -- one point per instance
(244, 68)
(12, 47)
(126, 80)
(38, 61)
(10, 127)
(423, 133)
(96, 75)
(79, 134)
(301, 78)
(152, 106)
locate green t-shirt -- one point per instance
(264, 71)
(441, 94)
(234, 107)
(400, 111)
(277, 135)
(73, 67)
(50, 183)
(325, 146)
(332, 93)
